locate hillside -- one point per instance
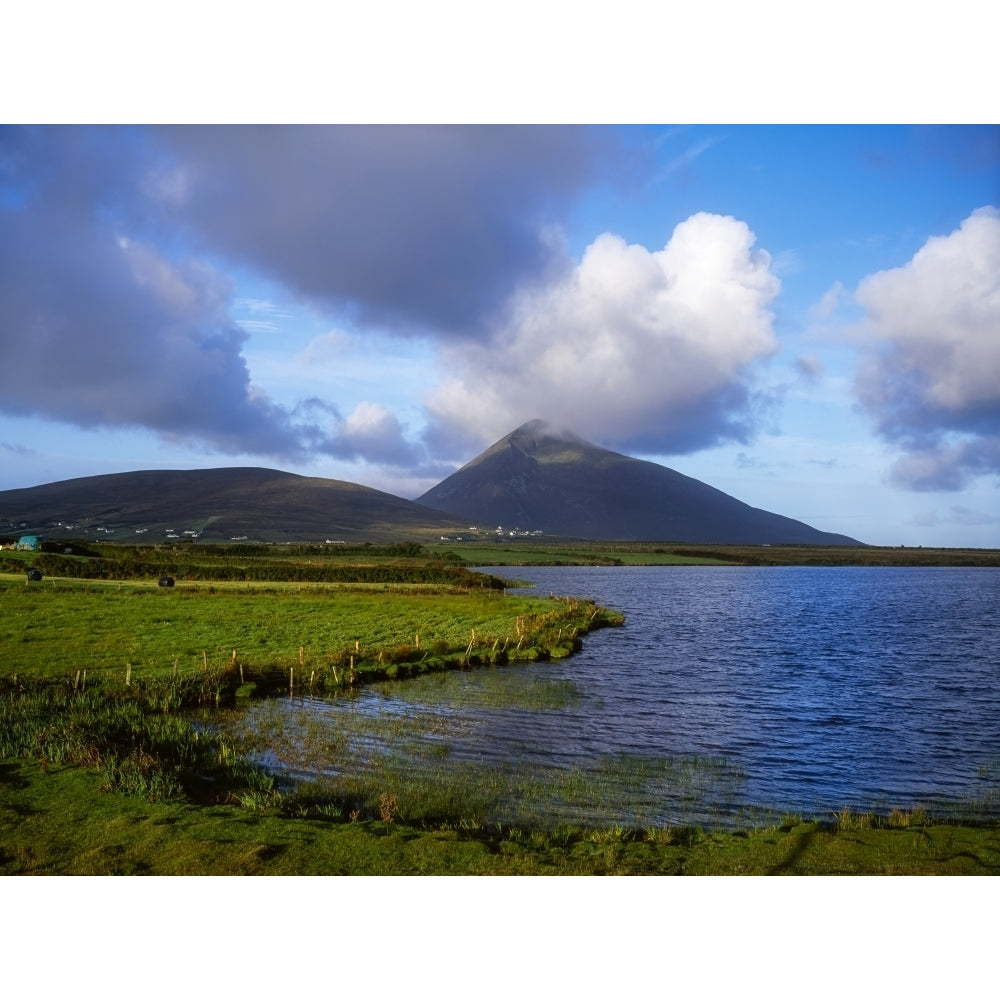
(537, 479)
(218, 504)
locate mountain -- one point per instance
(218, 504)
(540, 479)
(533, 479)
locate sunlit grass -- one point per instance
(57, 629)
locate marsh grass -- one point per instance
(134, 737)
(845, 819)
(519, 687)
(356, 759)
(895, 819)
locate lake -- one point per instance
(730, 691)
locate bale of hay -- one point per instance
(166, 581)
(34, 575)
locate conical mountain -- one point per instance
(540, 479)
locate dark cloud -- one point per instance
(17, 450)
(97, 329)
(413, 227)
(945, 466)
(110, 315)
(809, 367)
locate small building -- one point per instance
(28, 543)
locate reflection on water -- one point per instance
(792, 689)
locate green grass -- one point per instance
(59, 822)
(596, 554)
(553, 553)
(58, 627)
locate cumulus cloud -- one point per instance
(650, 350)
(372, 432)
(930, 369)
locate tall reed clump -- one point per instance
(134, 736)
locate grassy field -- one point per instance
(57, 627)
(527, 552)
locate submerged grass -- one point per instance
(521, 687)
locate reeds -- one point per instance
(136, 737)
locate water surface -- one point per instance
(791, 689)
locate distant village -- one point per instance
(500, 533)
(30, 542)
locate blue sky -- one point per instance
(807, 318)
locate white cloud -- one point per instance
(684, 162)
(327, 348)
(629, 346)
(930, 372)
(786, 262)
(257, 325)
(828, 304)
(266, 315)
(958, 515)
(372, 432)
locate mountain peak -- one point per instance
(536, 434)
(542, 478)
